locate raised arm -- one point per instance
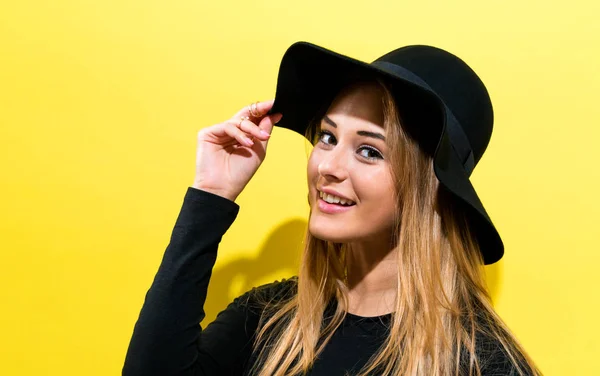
(167, 338)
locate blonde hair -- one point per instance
(443, 312)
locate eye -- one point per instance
(370, 153)
(367, 152)
(325, 137)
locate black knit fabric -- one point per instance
(168, 339)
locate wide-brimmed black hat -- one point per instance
(441, 100)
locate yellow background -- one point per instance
(100, 102)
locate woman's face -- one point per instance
(349, 161)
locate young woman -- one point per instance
(391, 281)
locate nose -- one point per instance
(334, 165)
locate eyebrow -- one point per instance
(360, 133)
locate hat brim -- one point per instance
(310, 75)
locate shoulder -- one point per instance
(494, 359)
(273, 293)
(277, 290)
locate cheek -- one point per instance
(373, 183)
(375, 188)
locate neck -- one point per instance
(372, 278)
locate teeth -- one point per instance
(334, 199)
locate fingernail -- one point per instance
(264, 133)
(277, 118)
(248, 141)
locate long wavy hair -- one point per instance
(443, 312)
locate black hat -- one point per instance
(440, 98)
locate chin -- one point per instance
(334, 238)
(329, 231)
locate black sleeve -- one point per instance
(167, 338)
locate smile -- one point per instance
(330, 204)
(331, 199)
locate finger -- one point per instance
(236, 133)
(251, 128)
(261, 107)
(267, 123)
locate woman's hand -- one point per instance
(227, 157)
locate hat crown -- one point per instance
(456, 84)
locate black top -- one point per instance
(168, 340)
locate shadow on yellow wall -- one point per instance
(244, 273)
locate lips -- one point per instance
(328, 208)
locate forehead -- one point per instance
(360, 102)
